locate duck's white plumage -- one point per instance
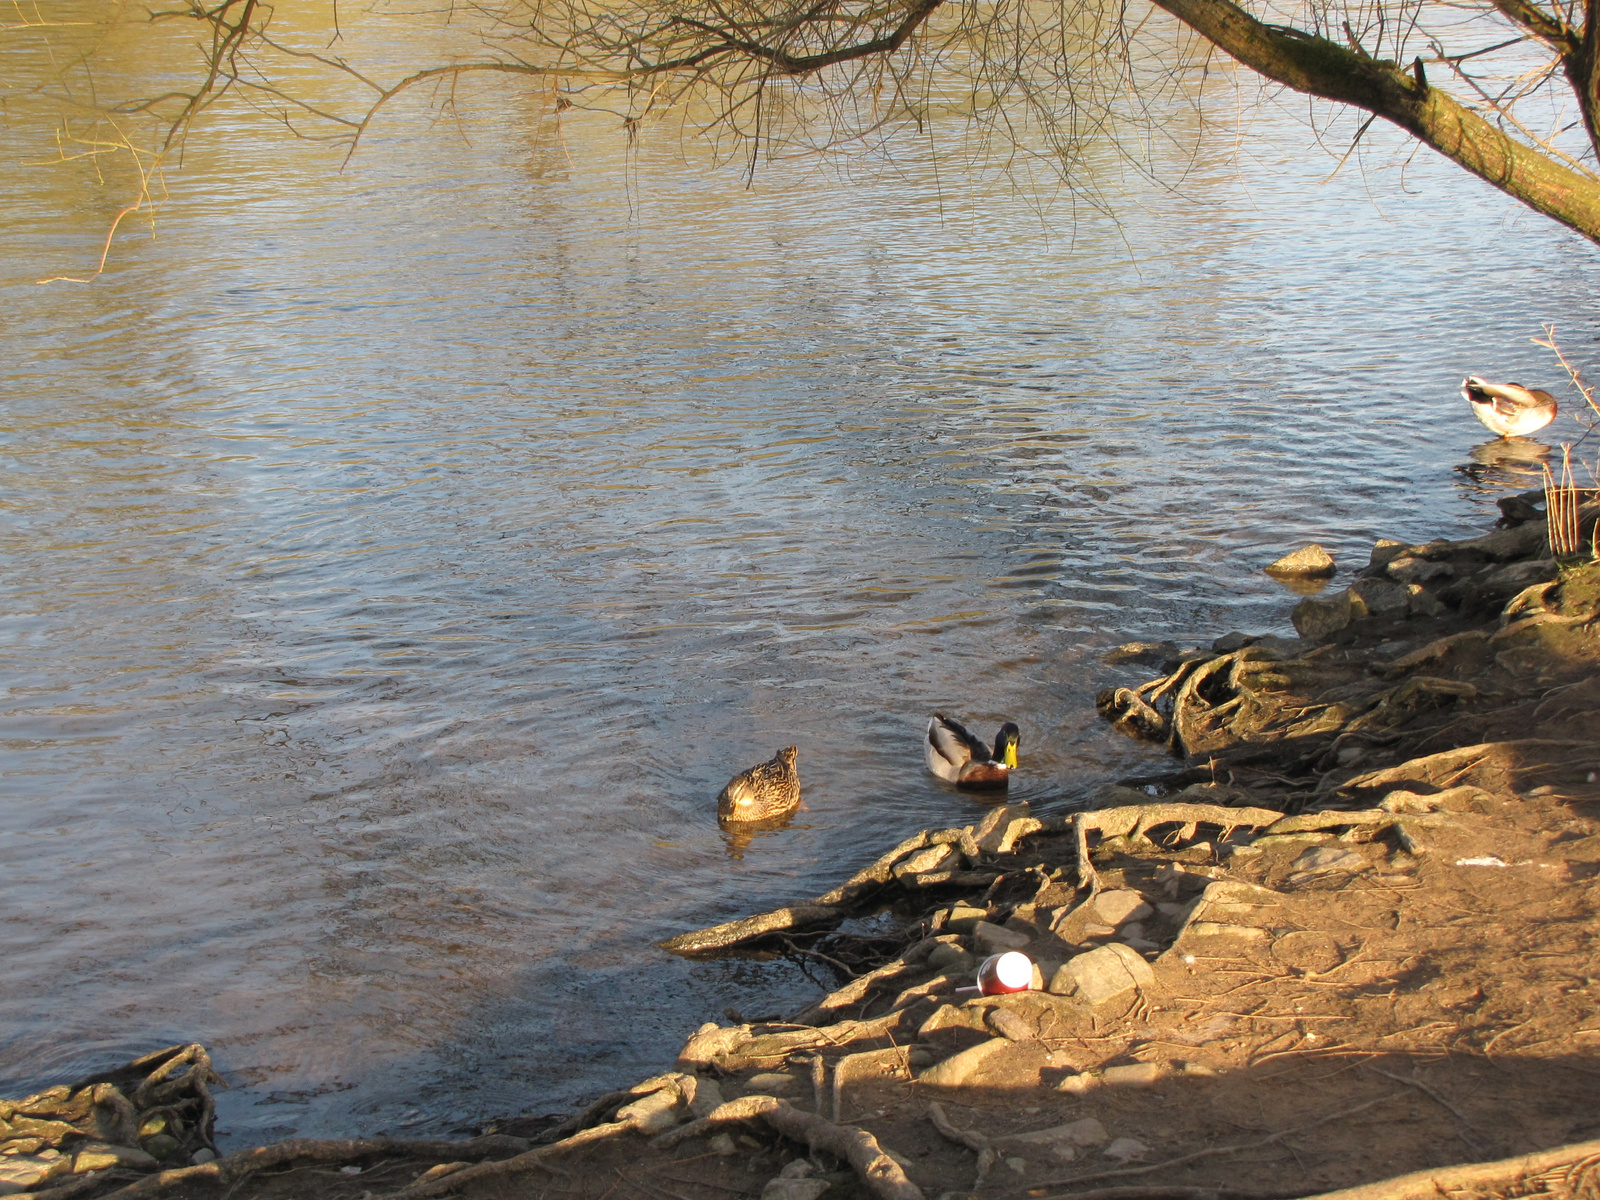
(1509, 409)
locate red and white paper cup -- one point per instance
(1008, 972)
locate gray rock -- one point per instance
(1330, 858)
(1381, 597)
(1083, 1133)
(1103, 974)
(1126, 1149)
(1145, 654)
(947, 957)
(768, 1083)
(1317, 618)
(722, 1144)
(1229, 642)
(794, 1189)
(202, 1156)
(1309, 561)
(1009, 1025)
(1422, 602)
(934, 858)
(1518, 574)
(1119, 906)
(1220, 929)
(1384, 552)
(960, 1068)
(1276, 649)
(963, 918)
(996, 939)
(1406, 569)
(1133, 1075)
(707, 1097)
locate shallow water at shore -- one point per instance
(399, 560)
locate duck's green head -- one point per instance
(1005, 744)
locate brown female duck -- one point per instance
(762, 793)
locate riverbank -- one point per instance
(1350, 936)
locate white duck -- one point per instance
(1509, 409)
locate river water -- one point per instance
(398, 560)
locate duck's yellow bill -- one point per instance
(1011, 756)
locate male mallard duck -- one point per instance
(762, 793)
(957, 757)
(1509, 409)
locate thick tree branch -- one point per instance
(1323, 68)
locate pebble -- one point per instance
(722, 1143)
(1082, 1133)
(1238, 933)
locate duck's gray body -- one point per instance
(1509, 409)
(763, 793)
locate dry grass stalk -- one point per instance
(1561, 508)
(1548, 341)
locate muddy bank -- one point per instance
(1347, 941)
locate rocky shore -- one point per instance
(1347, 945)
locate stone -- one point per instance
(1095, 929)
(998, 832)
(656, 1112)
(1019, 1165)
(1115, 796)
(722, 1144)
(1309, 561)
(160, 1145)
(1385, 551)
(947, 957)
(1219, 929)
(1077, 1085)
(795, 1182)
(960, 1068)
(996, 939)
(934, 858)
(963, 918)
(1273, 648)
(1009, 1025)
(768, 1083)
(1077, 1135)
(1119, 906)
(1229, 642)
(22, 1172)
(1317, 619)
(1381, 597)
(1423, 603)
(1329, 858)
(1518, 574)
(202, 1156)
(1406, 569)
(1145, 654)
(97, 1156)
(1133, 1074)
(1126, 1149)
(1103, 974)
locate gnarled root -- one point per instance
(881, 1174)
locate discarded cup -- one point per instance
(1008, 972)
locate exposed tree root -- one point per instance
(882, 1176)
(1508, 1176)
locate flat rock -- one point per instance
(1074, 1136)
(1329, 858)
(1126, 1149)
(770, 1083)
(1222, 929)
(1119, 906)
(958, 1069)
(1103, 974)
(1307, 562)
(996, 939)
(949, 957)
(1380, 597)
(963, 918)
(1133, 1074)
